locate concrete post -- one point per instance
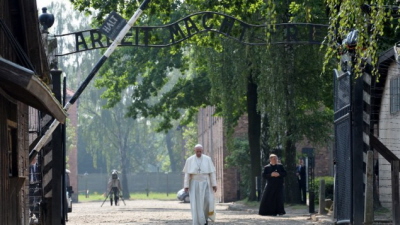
(395, 192)
(369, 194)
(322, 197)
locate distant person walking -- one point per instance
(301, 175)
(272, 198)
(200, 181)
(114, 187)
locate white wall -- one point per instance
(389, 135)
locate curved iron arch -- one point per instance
(199, 23)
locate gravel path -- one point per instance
(148, 212)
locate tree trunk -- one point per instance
(124, 165)
(254, 132)
(292, 192)
(265, 148)
(172, 158)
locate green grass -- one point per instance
(133, 196)
(249, 203)
(256, 204)
(298, 206)
(382, 211)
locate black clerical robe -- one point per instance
(272, 198)
(301, 170)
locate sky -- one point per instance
(45, 3)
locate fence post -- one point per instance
(322, 197)
(395, 192)
(258, 188)
(369, 194)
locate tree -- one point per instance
(126, 144)
(376, 22)
(296, 99)
(235, 78)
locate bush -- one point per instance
(239, 158)
(328, 188)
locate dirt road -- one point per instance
(148, 212)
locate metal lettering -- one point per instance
(82, 42)
(205, 17)
(137, 36)
(314, 33)
(191, 25)
(226, 25)
(146, 38)
(167, 35)
(127, 36)
(97, 39)
(291, 32)
(244, 28)
(110, 23)
(174, 29)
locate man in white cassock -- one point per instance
(201, 182)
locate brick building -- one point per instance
(211, 135)
(72, 151)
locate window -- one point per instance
(394, 95)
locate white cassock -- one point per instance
(200, 178)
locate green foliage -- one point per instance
(239, 158)
(375, 21)
(190, 137)
(301, 97)
(71, 142)
(229, 83)
(292, 91)
(329, 187)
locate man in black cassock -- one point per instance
(272, 198)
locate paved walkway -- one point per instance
(149, 212)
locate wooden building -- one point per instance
(24, 85)
(386, 123)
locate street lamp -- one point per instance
(46, 20)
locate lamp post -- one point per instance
(46, 20)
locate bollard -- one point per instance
(322, 197)
(311, 205)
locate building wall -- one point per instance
(72, 163)
(211, 135)
(323, 156)
(21, 18)
(389, 126)
(14, 161)
(23, 160)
